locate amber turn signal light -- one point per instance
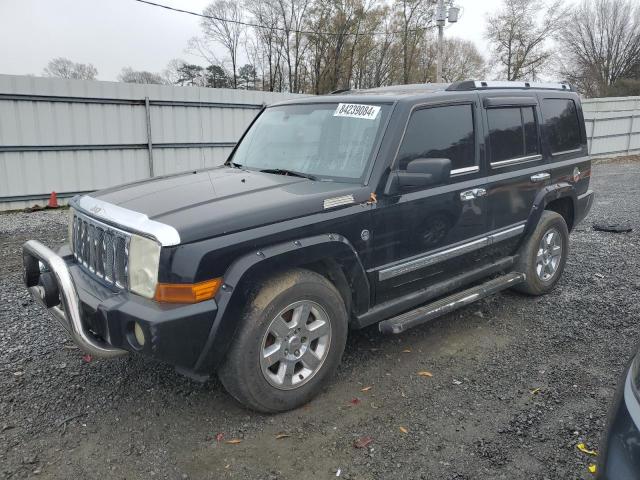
(187, 292)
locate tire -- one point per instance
(271, 367)
(542, 272)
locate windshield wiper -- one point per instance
(234, 165)
(284, 171)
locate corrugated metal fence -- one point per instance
(72, 136)
(613, 126)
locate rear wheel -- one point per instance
(290, 342)
(544, 254)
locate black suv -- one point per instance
(391, 206)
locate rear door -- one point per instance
(517, 168)
(425, 234)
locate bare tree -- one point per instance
(293, 18)
(519, 32)
(129, 75)
(227, 33)
(384, 53)
(266, 12)
(414, 17)
(602, 44)
(461, 60)
(369, 47)
(64, 68)
(321, 45)
(331, 57)
(179, 72)
(171, 73)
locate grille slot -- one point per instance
(101, 250)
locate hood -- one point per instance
(223, 200)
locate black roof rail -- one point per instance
(340, 90)
(491, 84)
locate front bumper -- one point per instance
(620, 451)
(38, 260)
(101, 320)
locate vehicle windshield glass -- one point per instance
(329, 141)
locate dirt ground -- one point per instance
(517, 383)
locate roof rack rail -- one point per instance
(483, 85)
(340, 90)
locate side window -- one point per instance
(561, 124)
(512, 133)
(440, 132)
(530, 131)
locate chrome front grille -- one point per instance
(100, 249)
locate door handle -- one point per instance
(540, 177)
(471, 194)
(467, 195)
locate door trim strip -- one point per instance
(463, 171)
(449, 253)
(516, 161)
(565, 152)
(498, 177)
(506, 234)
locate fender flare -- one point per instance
(297, 252)
(544, 198)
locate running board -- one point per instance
(433, 310)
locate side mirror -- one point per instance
(423, 172)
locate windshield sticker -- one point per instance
(354, 110)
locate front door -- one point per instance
(425, 234)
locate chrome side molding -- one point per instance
(433, 258)
(506, 234)
(516, 161)
(456, 172)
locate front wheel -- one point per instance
(544, 255)
(290, 342)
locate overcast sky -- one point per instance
(121, 33)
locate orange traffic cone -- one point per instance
(53, 201)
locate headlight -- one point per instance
(144, 258)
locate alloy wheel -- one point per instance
(549, 254)
(295, 345)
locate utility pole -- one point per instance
(442, 15)
(440, 19)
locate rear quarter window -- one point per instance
(561, 124)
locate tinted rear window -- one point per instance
(440, 132)
(512, 132)
(561, 123)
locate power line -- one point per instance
(276, 28)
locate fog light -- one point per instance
(139, 334)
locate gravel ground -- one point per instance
(517, 383)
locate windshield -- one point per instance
(322, 140)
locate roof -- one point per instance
(387, 94)
(411, 91)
